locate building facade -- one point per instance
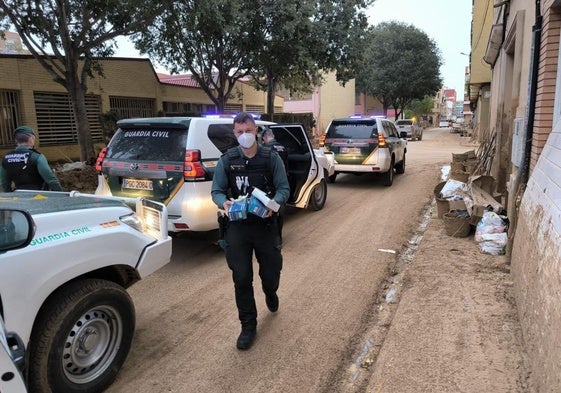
(129, 88)
(522, 49)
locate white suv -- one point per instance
(66, 260)
(412, 127)
(172, 160)
(366, 145)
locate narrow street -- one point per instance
(339, 266)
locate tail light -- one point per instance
(100, 158)
(322, 139)
(382, 141)
(193, 169)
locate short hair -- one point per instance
(242, 117)
(267, 132)
(20, 137)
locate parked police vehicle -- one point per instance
(366, 145)
(66, 260)
(172, 160)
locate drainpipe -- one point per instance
(524, 173)
(532, 92)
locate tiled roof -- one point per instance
(179, 80)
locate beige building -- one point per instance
(524, 142)
(326, 102)
(129, 88)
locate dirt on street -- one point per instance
(374, 297)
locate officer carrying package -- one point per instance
(261, 176)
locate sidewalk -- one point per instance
(455, 326)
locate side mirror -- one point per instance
(16, 229)
(403, 134)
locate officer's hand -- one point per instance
(226, 206)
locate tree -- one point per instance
(78, 32)
(212, 39)
(400, 64)
(299, 40)
(419, 108)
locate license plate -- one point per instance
(350, 150)
(137, 184)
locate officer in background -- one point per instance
(237, 172)
(25, 167)
(268, 138)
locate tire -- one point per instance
(400, 168)
(388, 176)
(420, 137)
(331, 179)
(81, 338)
(318, 196)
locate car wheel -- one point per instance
(420, 136)
(81, 338)
(400, 168)
(331, 179)
(318, 196)
(388, 176)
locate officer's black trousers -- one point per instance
(242, 239)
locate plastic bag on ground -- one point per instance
(491, 235)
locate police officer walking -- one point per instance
(25, 167)
(239, 170)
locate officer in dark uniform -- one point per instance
(25, 167)
(239, 170)
(268, 138)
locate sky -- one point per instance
(446, 22)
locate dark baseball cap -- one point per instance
(24, 130)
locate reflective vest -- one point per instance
(21, 167)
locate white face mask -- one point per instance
(246, 140)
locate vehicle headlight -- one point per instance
(153, 216)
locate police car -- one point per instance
(366, 145)
(172, 160)
(65, 262)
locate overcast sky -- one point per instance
(447, 22)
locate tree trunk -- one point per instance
(78, 98)
(271, 90)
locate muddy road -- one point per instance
(335, 266)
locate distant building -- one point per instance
(12, 44)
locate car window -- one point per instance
(391, 131)
(358, 129)
(148, 143)
(404, 122)
(222, 136)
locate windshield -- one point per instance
(148, 143)
(404, 122)
(357, 129)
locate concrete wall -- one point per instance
(335, 100)
(536, 247)
(536, 267)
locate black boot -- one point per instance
(245, 338)
(272, 302)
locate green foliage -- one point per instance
(419, 108)
(301, 39)
(400, 64)
(214, 40)
(76, 32)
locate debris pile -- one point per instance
(468, 202)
